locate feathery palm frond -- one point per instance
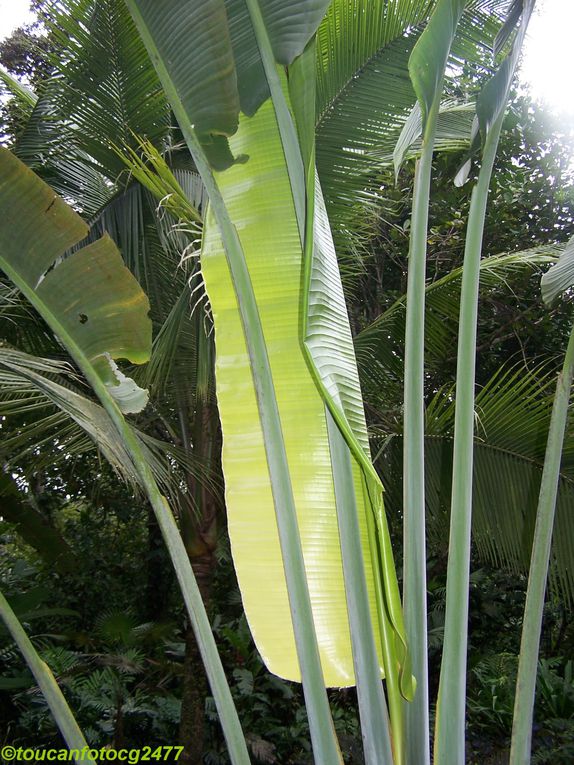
(102, 92)
(379, 346)
(513, 415)
(25, 96)
(364, 93)
(56, 422)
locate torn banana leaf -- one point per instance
(262, 218)
(90, 299)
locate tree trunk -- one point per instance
(195, 687)
(199, 530)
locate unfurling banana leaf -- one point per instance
(312, 365)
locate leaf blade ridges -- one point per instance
(270, 239)
(109, 321)
(291, 25)
(205, 78)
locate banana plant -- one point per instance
(299, 479)
(306, 518)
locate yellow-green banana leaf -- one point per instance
(258, 198)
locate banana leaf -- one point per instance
(261, 203)
(258, 197)
(97, 324)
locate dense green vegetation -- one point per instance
(82, 562)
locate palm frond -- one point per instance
(22, 327)
(24, 95)
(132, 221)
(513, 416)
(354, 33)
(364, 93)
(181, 365)
(380, 346)
(103, 91)
(55, 422)
(150, 168)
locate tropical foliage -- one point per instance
(267, 311)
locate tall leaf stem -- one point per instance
(285, 122)
(414, 587)
(68, 726)
(532, 624)
(427, 64)
(170, 532)
(324, 740)
(450, 718)
(372, 706)
(450, 725)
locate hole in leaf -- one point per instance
(83, 318)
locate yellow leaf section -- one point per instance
(259, 201)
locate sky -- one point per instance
(547, 65)
(13, 13)
(548, 60)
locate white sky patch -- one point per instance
(13, 14)
(548, 61)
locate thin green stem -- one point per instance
(450, 726)
(59, 708)
(372, 706)
(414, 588)
(532, 624)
